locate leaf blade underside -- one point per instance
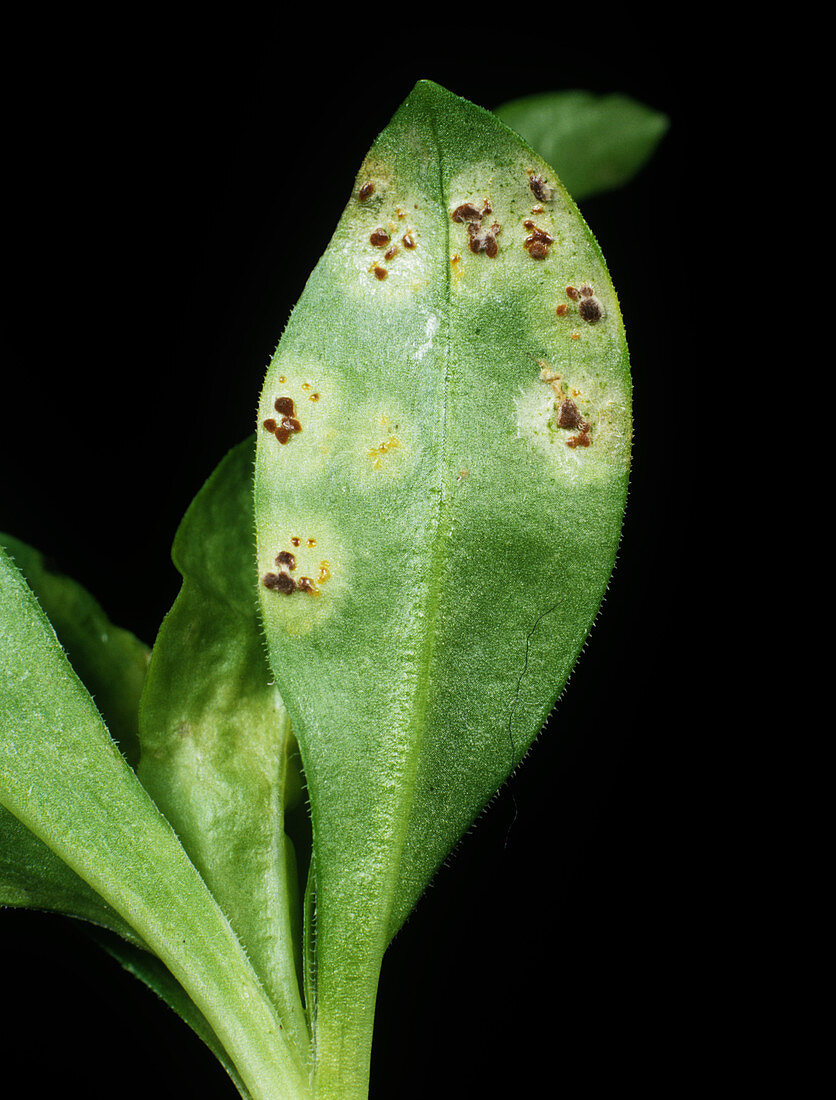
(456, 535)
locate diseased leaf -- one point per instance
(109, 661)
(595, 143)
(64, 778)
(444, 442)
(216, 741)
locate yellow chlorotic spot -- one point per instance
(306, 386)
(377, 453)
(324, 572)
(282, 378)
(311, 543)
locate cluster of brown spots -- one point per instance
(538, 242)
(288, 425)
(481, 238)
(282, 581)
(589, 307)
(382, 238)
(541, 190)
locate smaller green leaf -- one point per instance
(109, 661)
(64, 778)
(217, 748)
(33, 877)
(596, 143)
(112, 663)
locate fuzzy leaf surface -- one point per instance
(112, 663)
(452, 530)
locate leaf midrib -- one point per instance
(427, 660)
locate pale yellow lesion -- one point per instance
(377, 453)
(384, 440)
(306, 548)
(581, 421)
(381, 242)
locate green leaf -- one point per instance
(450, 481)
(109, 661)
(33, 877)
(596, 143)
(64, 779)
(217, 749)
(112, 664)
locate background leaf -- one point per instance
(595, 142)
(109, 661)
(217, 746)
(112, 663)
(64, 778)
(451, 536)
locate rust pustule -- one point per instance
(286, 560)
(270, 424)
(408, 240)
(467, 212)
(285, 406)
(380, 272)
(279, 582)
(569, 416)
(483, 240)
(581, 439)
(366, 191)
(590, 310)
(379, 238)
(539, 188)
(538, 242)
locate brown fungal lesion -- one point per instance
(281, 581)
(590, 308)
(538, 242)
(568, 416)
(481, 237)
(541, 190)
(287, 424)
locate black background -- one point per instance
(172, 185)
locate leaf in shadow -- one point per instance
(216, 744)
